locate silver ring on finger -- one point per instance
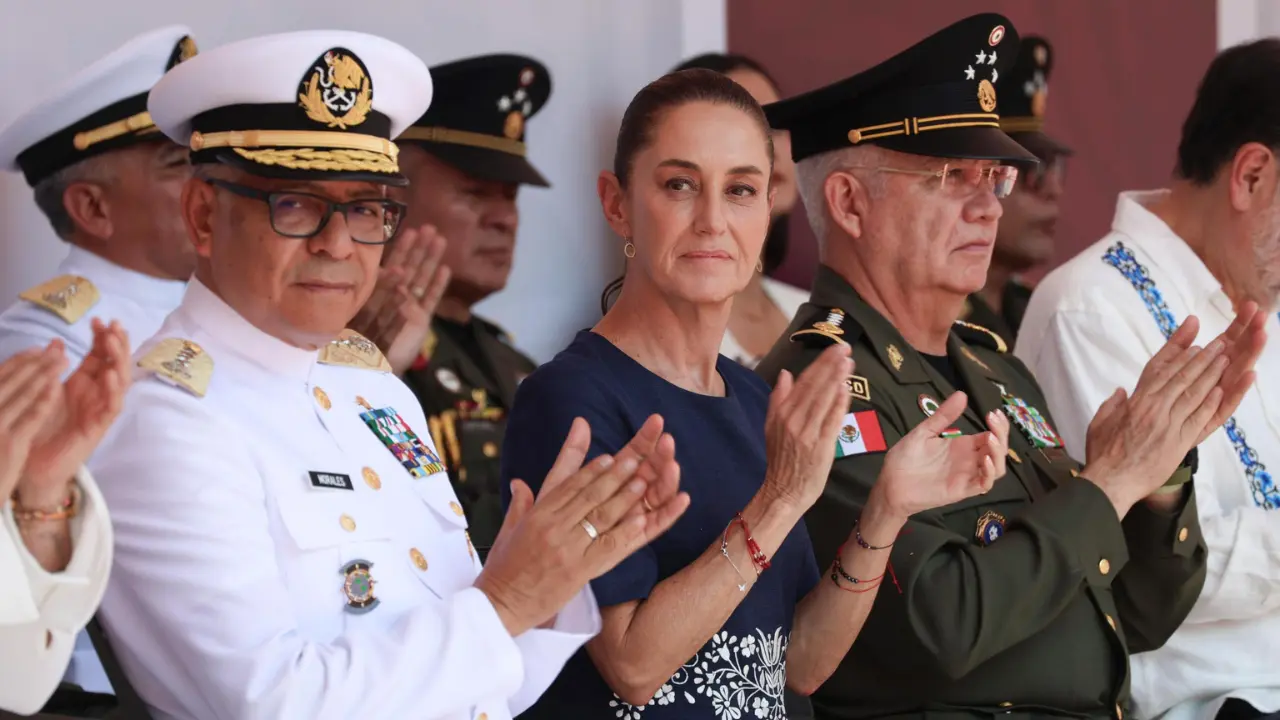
(419, 292)
(647, 506)
(591, 529)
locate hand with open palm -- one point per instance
(925, 470)
(80, 412)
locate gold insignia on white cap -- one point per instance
(67, 296)
(323, 103)
(352, 349)
(180, 362)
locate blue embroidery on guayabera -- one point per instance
(1264, 491)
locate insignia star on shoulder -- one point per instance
(180, 362)
(979, 335)
(67, 296)
(352, 349)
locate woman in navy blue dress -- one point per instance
(717, 616)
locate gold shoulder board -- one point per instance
(67, 296)
(981, 336)
(180, 362)
(352, 349)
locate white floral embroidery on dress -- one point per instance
(740, 678)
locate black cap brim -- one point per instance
(230, 157)
(1044, 147)
(486, 164)
(971, 143)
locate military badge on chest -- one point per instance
(1029, 421)
(990, 527)
(358, 586)
(395, 434)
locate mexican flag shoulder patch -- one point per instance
(860, 433)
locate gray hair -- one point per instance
(812, 174)
(50, 191)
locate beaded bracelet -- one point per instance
(838, 571)
(758, 558)
(68, 509)
(857, 536)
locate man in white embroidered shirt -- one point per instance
(287, 541)
(1209, 243)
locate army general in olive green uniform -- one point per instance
(1024, 602)
(465, 159)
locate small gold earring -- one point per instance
(760, 266)
(629, 250)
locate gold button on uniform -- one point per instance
(490, 449)
(1182, 535)
(371, 478)
(418, 558)
(1075, 472)
(1006, 704)
(1013, 455)
(322, 397)
(1104, 566)
(456, 508)
(1111, 621)
(347, 522)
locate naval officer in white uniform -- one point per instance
(109, 182)
(287, 541)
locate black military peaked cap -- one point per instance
(477, 121)
(1022, 109)
(939, 97)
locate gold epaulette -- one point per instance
(180, 362)
(352, 349)
(67, 296)
(978, 335)
(827, 327)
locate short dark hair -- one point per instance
(669, 92)
(725, 63)
(1235, 104)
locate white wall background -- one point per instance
(600, 52)
(1243, 20)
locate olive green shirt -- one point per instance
(1026, 600)
(466, 380)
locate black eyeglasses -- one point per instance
(371, 221)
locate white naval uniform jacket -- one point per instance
(1087, 331)
(41, 612)
(227, 596)
(140, 302)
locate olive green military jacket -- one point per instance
(1014, 299)
(466, 400)
(1026, 600)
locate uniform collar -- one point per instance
(1164, 249)
(231, 331)
(115, 280)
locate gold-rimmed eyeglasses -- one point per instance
(1000, 179)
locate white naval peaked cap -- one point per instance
(314, 104)
(101, 108)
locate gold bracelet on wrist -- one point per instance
(66, 510)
